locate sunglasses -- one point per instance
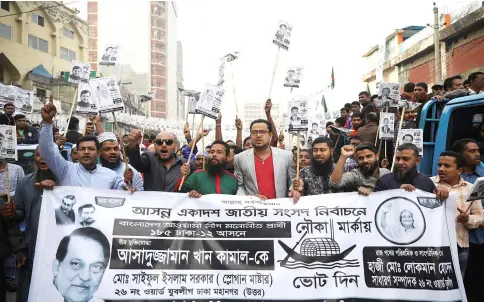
(168, 142)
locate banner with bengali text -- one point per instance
(106, 245)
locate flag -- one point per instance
(323, 103)
(368, 88)
(332, 79)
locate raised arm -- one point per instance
(140, 163)
(98, 124)
(267, 108)
(338, 178)
(218, 127)
(48, 149)
(238, 139)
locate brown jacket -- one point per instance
(368, 133)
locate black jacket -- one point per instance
(5, 120)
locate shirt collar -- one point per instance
(479, 171)
(88, 171)
(462, 182)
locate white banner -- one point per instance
(110, 245)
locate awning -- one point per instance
(41, 71)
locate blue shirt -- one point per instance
(476, 236)
(137, 179)
(74, 174)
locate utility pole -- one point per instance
(437, 60)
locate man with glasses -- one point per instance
(263, 171)
(161, 168)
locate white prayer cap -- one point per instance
(201, 153)
(106, 136)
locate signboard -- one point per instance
(412, 136)
(384, 247)
(8, 143)
(210, 101)
(108, 96)
(110, 55)
(298, 114)
(282, 37)
(293, 77)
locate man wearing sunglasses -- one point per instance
(161, 168)
(215, 179)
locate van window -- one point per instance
(467, 122)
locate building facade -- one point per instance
(461, 38)
(38, 41)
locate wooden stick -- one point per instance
(233, 88)
(274, 72)
(469, 207)
(85, 125)
(203, 144)
(297, 155)
(398, 138)
(9, 200)
(74, 99)
(193, 126)
(188, 110)
(125, 159)
(191, 153)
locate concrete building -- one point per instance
(38, 41)
(460, 39)
(255, 110)
(179, 76)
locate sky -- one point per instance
(325, 34)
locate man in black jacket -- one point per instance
(7, 117)
(25, 134)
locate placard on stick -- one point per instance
(293, 77)
(110, 56)
(282, 37)
(387, 125)
(8, 143)
(210, 101)
(79, 72)
(86, 101)
(412, 136)
(108, 96)
(388, 95)
(298, 117)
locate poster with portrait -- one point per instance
(410, 105)
(107, 94)
(387, 125)
(110, 55)
(293, 77)
(8, 143)
(298, 118)
(388, 95)
(282, 37)
(314, 129)
(210, 101)
(86, 100)
(412, 136)
(192, 104)
(79, 72)
(477, 191)
(109, 245)
(22, 99)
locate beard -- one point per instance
(41, 175)
(214, 168)
(322, 168)
(110, 165)
(406, 175)
(369, 171)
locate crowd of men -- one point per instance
(258, 165)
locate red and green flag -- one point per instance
(323, 103)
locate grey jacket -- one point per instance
(284, 172)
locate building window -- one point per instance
(5, 31)
(41, 93)
(68, 33)
(38, 43)
(67, 54)
(5, 5)
(38, 19)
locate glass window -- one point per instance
(5, 5)
(68, 33)
(38, 19)
(38, 43)
(5, 31)
(67, 54)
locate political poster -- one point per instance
(410, 105)
(315, 129)
(210, 101)
(79, 72)
(8, 143)
(107, 94)
(110, 55)
(146, 97)
(388, 95)
(131, 247)
(298, 114)
(192, 104)
(412, 136)
(86, 101)
(282, 37)
(477, 190)
(293, 77)
(387, 125)
(22, 99)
